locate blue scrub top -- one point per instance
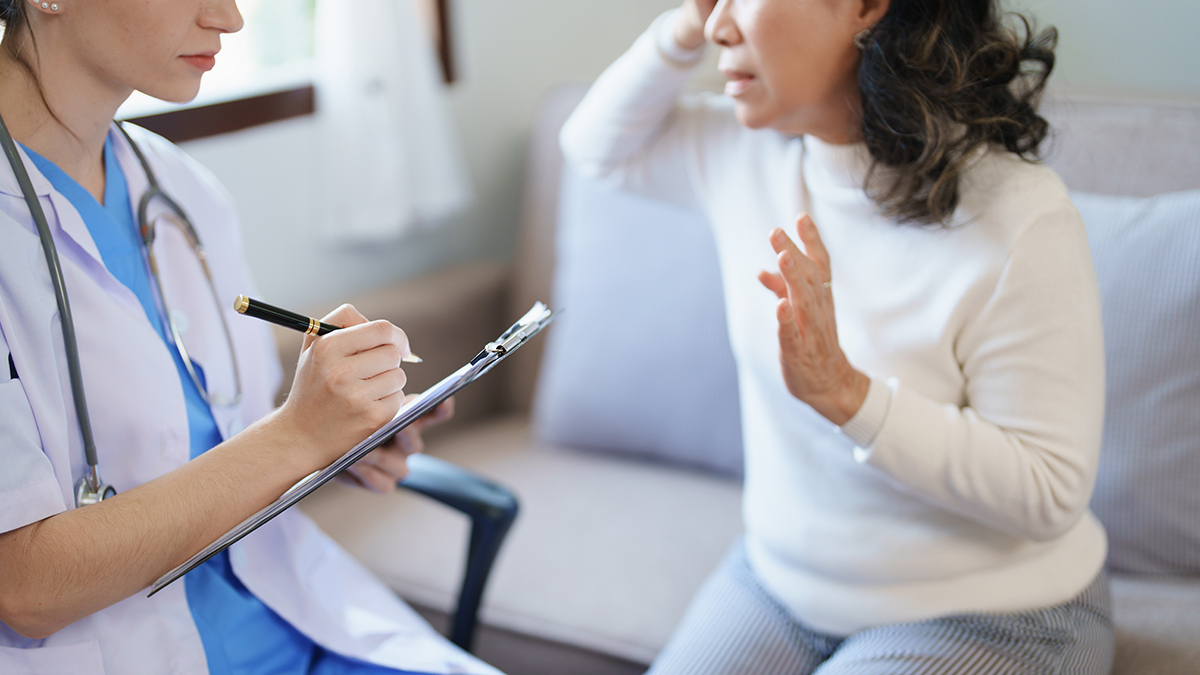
(241, 635)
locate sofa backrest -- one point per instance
(533, 260)
(1124, 147)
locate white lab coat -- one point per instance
(140, 425)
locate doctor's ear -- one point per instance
(47, 6)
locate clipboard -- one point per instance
(494, 352)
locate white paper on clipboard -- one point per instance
(494, 352)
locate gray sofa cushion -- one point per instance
(639, 362)
(605, 555)
(1147, 257)
(1158, 625)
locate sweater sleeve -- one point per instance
(631, 130)
(1021, 454)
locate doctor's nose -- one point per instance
(221, 15)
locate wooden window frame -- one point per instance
(190, 124)
(443, 42)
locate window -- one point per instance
(264, 72)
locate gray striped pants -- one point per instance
(735, 626)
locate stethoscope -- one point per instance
(90, 488)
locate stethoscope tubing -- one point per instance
(146, 230)
(90, 488)
(66, 320)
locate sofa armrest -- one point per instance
(448, 316)
(492, 509)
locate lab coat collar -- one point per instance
(135, 176)
(8, 179)
(69, 220)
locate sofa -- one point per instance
(625, 461)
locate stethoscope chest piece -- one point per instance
(86, 493)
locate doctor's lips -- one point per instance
(738, 83)
(203, 60)
(288, 319)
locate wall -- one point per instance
(511, 51)
(1123, 48)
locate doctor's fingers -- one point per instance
(365, 336)
(393, 457)
(374, 478)
(342, 317)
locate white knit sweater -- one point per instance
(963, 482)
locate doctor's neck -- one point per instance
(56, 108)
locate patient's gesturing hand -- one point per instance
(689, 30)
(815, 368)
(383, 467)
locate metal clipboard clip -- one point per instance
(525, 327)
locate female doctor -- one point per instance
(193, 451)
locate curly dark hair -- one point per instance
(938, 81)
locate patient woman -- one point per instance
(920, 367)
(73, 576)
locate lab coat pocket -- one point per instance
(82, 658)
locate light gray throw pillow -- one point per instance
(639, 362)
(1147, 256)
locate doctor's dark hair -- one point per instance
(12, 15)
(939, 80)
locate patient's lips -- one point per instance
(739, 82)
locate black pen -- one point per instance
(298, 322)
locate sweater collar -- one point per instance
(846, 165)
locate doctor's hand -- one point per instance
(348, 384)
(380, 470)
(815, 368)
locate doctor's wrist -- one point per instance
(295, 448)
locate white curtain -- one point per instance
(389, 161)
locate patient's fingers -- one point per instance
(774, 283)
(814, 248)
